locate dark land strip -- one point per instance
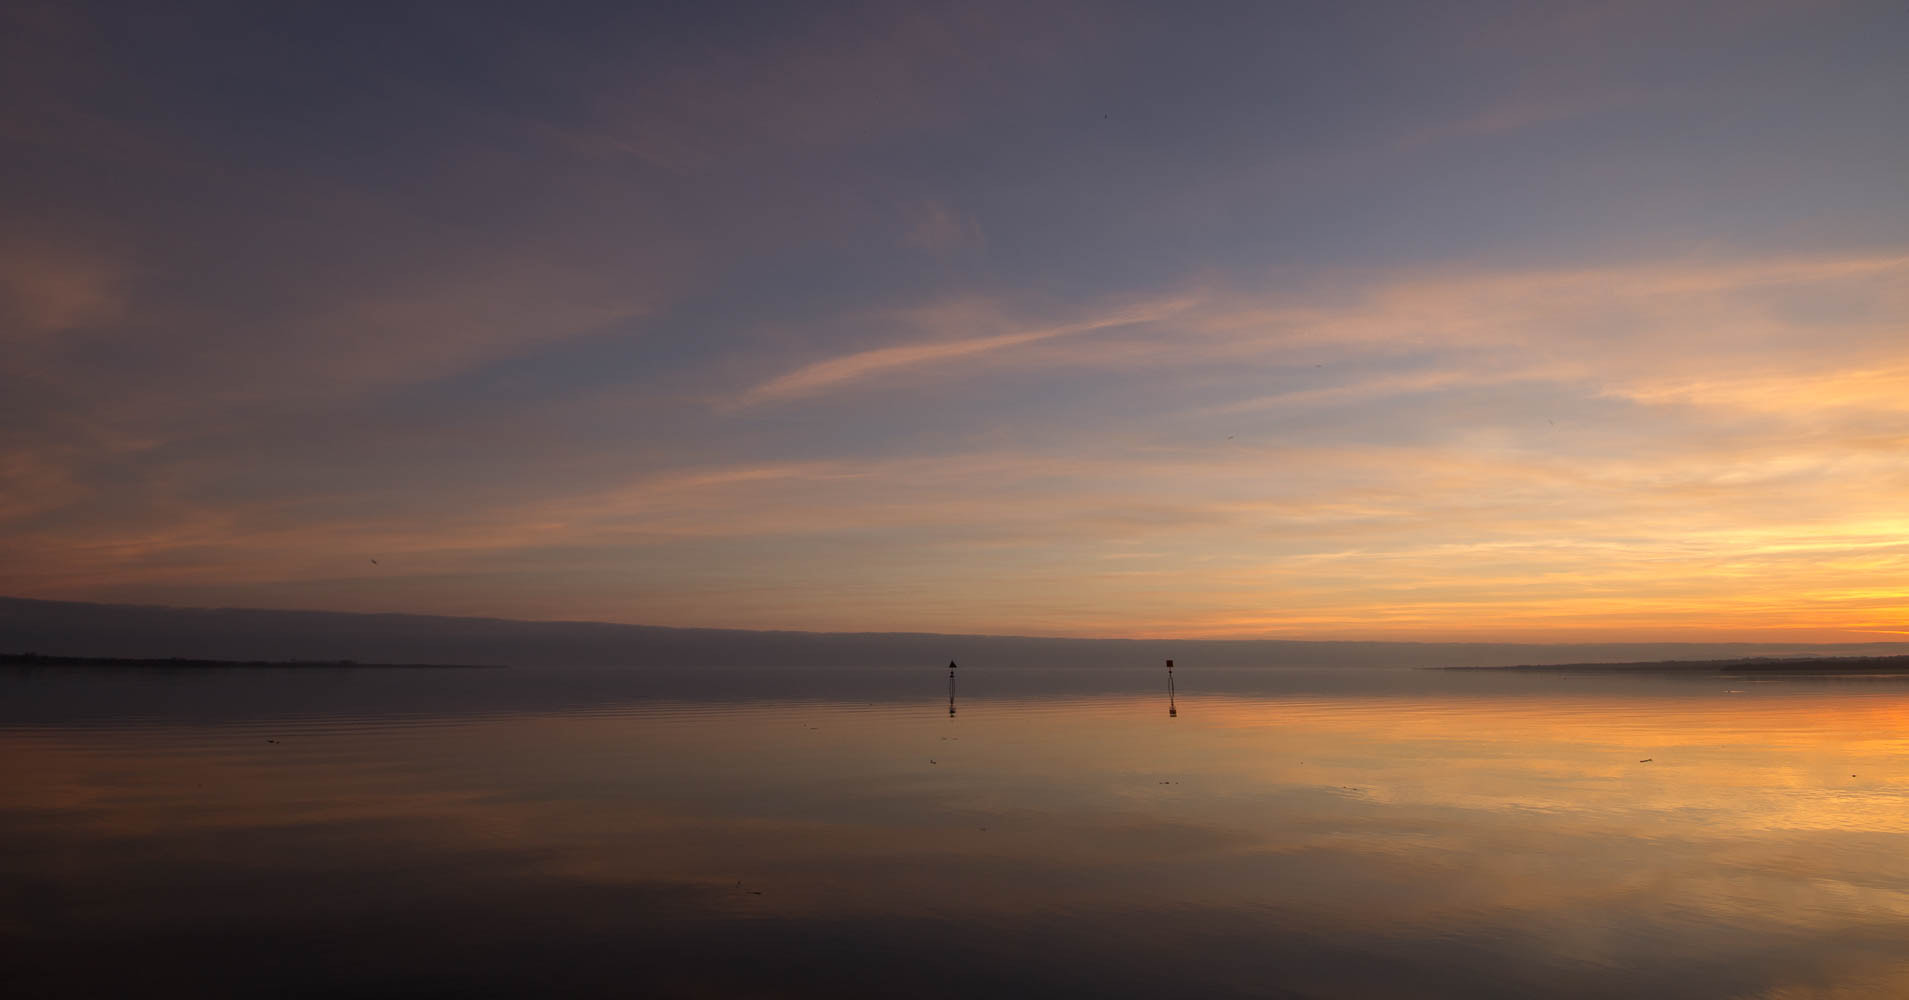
(179, 663)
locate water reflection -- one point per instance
(1452, 842)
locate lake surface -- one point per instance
(1350, 833)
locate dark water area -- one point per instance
(1305, 831)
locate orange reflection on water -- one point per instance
(1576, 828)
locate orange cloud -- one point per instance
(1668, 499)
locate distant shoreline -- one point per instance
(182, 663)
(1755, 664)
(140, 632)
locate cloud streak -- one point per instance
(820, 376)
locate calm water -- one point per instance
(1360, 833)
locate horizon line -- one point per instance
(946, 635)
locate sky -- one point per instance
(1569, 322)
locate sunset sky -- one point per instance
(1322, 320)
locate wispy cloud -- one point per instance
(1883, 390)
(819, 376)
(1394, 386)
(1519, 112)
(47, 291)
(939, 228)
